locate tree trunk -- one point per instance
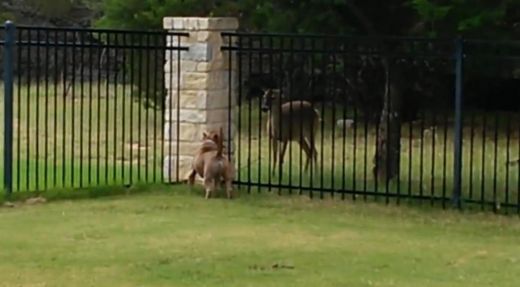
(387, 158)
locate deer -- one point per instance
(291, 121)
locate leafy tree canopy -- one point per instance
(500, 18)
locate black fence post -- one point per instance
(457, 163)
(8, 106)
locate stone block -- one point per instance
(188, 99)
(203, 36)
(194, 81)
(172, 80)
(185, 131)
(217, 116)
(201, 52)
(172, 164)
(200, 23)
(218, 79)
(185, 148)
(193, 116)
(217, 99)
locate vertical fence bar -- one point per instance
(107, 103)
(249, 112)
(37, 113)
(240, 53)
(178, 123)
(230, 95)
(100, 53)
(268, 129)
(72, 110)
(81, 105)
(46, 115)
(64, 107)
(90, 141)
(8, 106)
(457, 162)
(344, 135)
(18, 100)
(147, 109)
(28, 112)
(124, 84)
(115, 70)
(155, 77)
(55, 108)
(261, 70)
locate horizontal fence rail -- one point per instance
(400, 118)
(87, 106)
(390, 119)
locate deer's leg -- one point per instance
(307, 149)
(309, 140)
(283, 148)
(274, 146)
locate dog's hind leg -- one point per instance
(209, 185)
(191, 178)
(229, 189)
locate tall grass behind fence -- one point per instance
(344, 79)
(88, 107)
(491, 163)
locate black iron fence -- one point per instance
(383, 118)
(84, 107)
(434, 120)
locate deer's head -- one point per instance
(270, 96)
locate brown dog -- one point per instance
(218, 168)
(206, 150)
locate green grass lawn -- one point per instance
(176, 238)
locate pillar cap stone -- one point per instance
(200, 23)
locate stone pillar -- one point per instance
(202, 94)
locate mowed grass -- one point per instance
(345, 157)
(176, 238)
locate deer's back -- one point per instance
(293, 120)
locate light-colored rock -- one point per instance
(35, 200)
(201, 52)
(184, 131)
(194, 81)
(200, 23)
(9, 204)
(172, 164)
(203, 36)
(193, 116)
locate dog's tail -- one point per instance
(220, 143)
